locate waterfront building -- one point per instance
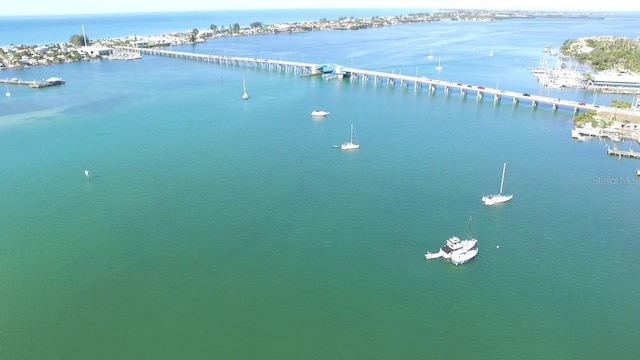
(96, 51)
(616, 79)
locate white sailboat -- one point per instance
(439, 67)
(430, 56)
(463, 256)
(491, 53)
(350, 145)
(7, 86)
(245, 96)
(500, 197)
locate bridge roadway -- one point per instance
(307, 69)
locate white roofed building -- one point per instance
(616, 79)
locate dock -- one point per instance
(34, 83)
(614, 151)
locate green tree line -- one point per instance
(616, 53)
(79, 40)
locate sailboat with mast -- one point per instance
(430, 56)
(245, 96)
(439, 67)
(350, 145)
(7, 94)
(500, 197)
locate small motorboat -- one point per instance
(319, 113)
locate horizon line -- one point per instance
(138, 12)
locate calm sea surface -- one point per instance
(216, 228)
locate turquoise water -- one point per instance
(213, 227)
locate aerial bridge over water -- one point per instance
(379, 77)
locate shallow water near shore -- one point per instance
(213, 227)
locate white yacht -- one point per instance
(350, 145)
(453, 245)
(500, 197)
(319, 113)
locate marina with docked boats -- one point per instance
(558, 70)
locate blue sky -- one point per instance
(52, 7)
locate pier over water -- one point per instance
(379, 77)
(34, 84)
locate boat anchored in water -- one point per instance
(319, 113)
(245, 96)
(350, 145)
(454, 245)
(500, 197)
(463, 256)
(430, 56)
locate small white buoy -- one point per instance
(86, 174)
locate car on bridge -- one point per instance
(481, 87)
(582, 103)
(525, 94)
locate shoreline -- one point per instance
(18, 56)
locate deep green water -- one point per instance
(217, 228)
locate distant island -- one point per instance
(80, 48)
